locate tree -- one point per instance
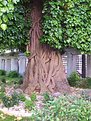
(56, 25)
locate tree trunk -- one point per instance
(45, 71)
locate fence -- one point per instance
(71, 61)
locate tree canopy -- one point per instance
(65, 23)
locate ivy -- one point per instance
(52, 28)
(6, 12)
(78, 26)
(67, 23)
(16, 36)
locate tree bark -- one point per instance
(45, 71)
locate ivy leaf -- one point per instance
(15, 1)
(4, 26)
(5, 18)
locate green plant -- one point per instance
(27, 53)
(21, 97)
(2, 94)
(10, 101)
(2, 87)
(29, 104)
(2, 72)
(3, 79)
(13, 74)
(85, 83)
(46, 96)
(64, 108)
(74, 79)
(33, 97)
(63, 24)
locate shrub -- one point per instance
(13, 74)
(18, 81)
(2, 72)
(85, 83)
(10, 101)
(3, 79)
(74, 79)
(65, 108)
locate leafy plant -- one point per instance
(2, 72)
(74, 79)
(3, 79)
(33, 97)
(67, 24)
(10, 101)
(27, 53)
(15, 26)
(85, 83)
(21, 97)
(64, 108)
(46, 96)
(13, 74)
(29, 104)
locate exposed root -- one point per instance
(45, 71)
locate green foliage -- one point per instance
(74, 79)
(2, 72)
(65, 108)
(10, 101)
(46, 96)
(11, 78)
(78, 25)
(33, 97)
(5, 117)
(16, 36)
(6, 8)
(2, 87)
(67, 23)
(52, 28)
(85, 83)
(21, 97)
(13, 74)
(2, 79)
(27, 53)
(29, 104)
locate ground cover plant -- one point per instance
(63, 108)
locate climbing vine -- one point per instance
(6, 12)
(16, 35)
(67, 23)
